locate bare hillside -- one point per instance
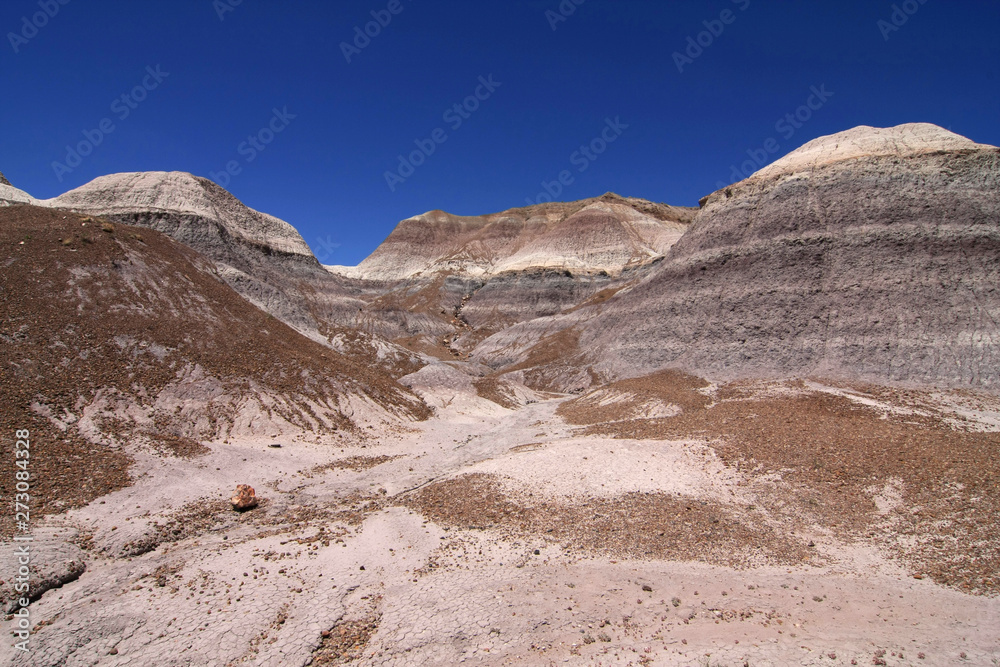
(116, 338)
(260, 256)
(443, 283)
(873, 255)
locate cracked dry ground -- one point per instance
(801, 523)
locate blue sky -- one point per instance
(593, 94)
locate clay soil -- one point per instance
(94, 309)
(829, 453)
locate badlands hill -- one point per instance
(439, 283)
(443, 282)
(260, 256)
(621, 433)
(607, 234)
(869, 254)
(866, 254)
(119, 342)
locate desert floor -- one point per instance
(490, 536)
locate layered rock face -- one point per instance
(9, 195)
(438, 285)
(873, 253)
(454, 280)
(183, 194)
(151, 389)
(260, 256)
(605, 234)
(605, 242)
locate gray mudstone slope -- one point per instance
(262, 257)
(879, 264)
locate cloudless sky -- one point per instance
(324, 172)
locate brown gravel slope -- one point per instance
(833, 457)
(634, 525)
(92, 310)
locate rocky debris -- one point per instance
(643, 525)
(170, 444)
(355, 463)
(244, 498)
(913, 483)
(345, 642)
(497, 391)
(55, 559)
(547, 358)
(373, 350)
(188, 360)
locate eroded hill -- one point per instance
(871, 254)
(118, 340)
